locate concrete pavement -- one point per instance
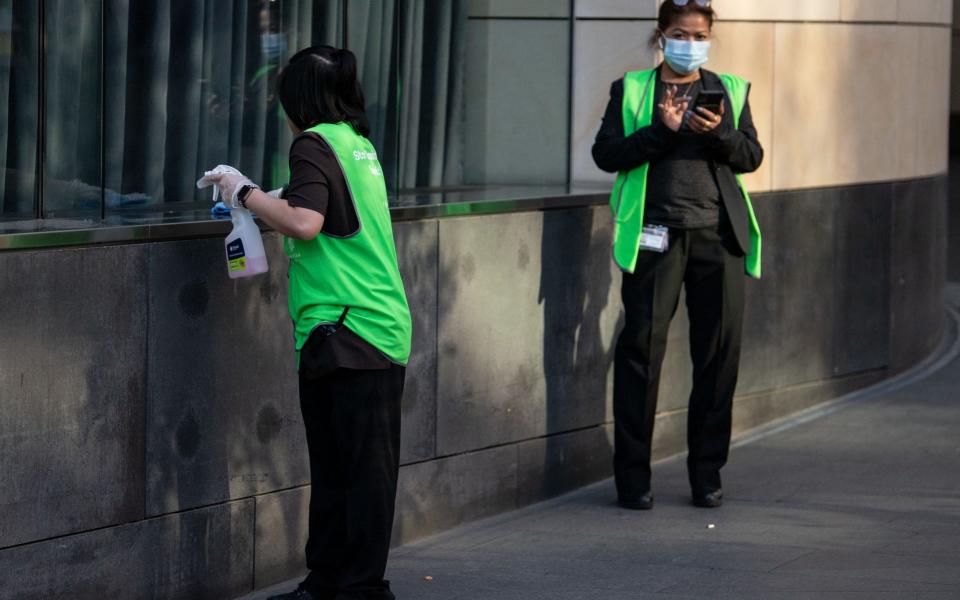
(856, 499)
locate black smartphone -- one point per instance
(710, 100)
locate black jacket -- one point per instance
(735, 150)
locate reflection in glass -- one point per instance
(517, 82)
(415, 47)
(189, 84)
(143, 96)
(483, 96)
(433, 42)
(19, 89)
(371, 36)
(71, 145)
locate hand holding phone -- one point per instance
(710, 100)
(707, 112)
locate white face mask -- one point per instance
(685, 57)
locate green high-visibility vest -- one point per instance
(329, 273)
(630, 190)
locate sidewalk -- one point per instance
(860, 499)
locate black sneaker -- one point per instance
(712, 499)
(297, 594)
(641, 502)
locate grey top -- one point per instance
(682, 192)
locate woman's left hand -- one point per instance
(704, 121)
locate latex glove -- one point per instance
(209, 179)
(227, 182)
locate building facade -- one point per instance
(151, 441)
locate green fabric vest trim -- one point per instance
(630, 189)
(330, 273)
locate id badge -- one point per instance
(655, 238)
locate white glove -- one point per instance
(227, 182)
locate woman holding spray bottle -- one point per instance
(351, 320)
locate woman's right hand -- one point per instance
(672, 108)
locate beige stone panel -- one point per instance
(923, 126)
(518, 8)
(617, 9)
(835, 104)
(907, 94)
(931, 93)
(603, 52)
(955, 69)
(926, 11)
(869, 10)
(778, 10)
(908, 90)
(925, 69)
(746, 49)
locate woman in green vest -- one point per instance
(352, 324)
(682, 219)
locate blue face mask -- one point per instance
(273, 46)
(685, 57)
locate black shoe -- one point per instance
(641, 502)
(297, 594)
(712, 499)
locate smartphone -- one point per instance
(710, 100)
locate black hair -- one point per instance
(670, 12)
(319, 85)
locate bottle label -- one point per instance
(236, 257)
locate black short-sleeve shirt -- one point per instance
(317, 182)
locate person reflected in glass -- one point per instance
(352, 323)
(273, 40)
(679, 136)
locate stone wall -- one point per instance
(151, 439)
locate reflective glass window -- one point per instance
(372, 36)
(189, 84)
(72, 157)
(465, 94)
(19, 107)
(138, 98)
(516, 94)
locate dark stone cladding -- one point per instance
(72, 391)
(203, 553)
(954, 135)
(150, 435)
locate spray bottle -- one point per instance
(245, 255)
(244, 246)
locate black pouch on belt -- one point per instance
(316, 356)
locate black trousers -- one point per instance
(352, 418)
(705, 262)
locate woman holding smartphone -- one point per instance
(679, 136)
(351, 321)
